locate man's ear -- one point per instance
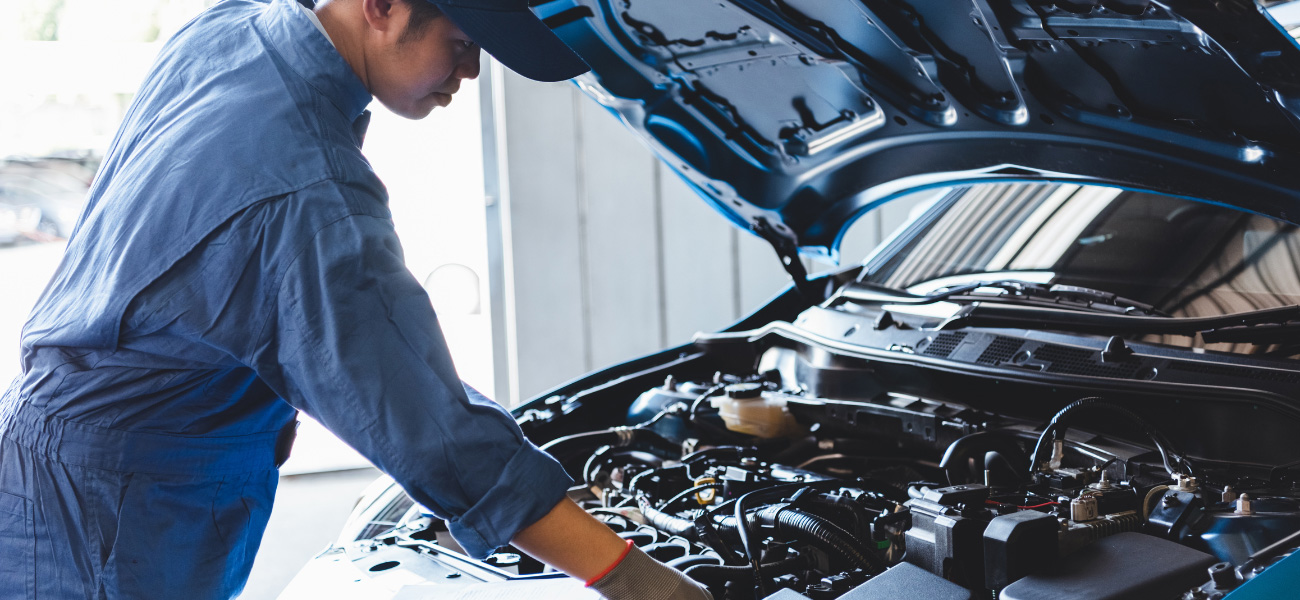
(383, 15)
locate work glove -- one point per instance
(638, 577)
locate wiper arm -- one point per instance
(1070, 296)
(1034, 317)
(1260, 333)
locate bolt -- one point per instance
(1243, 505)
(1170, 500)
(1104, 484)
(1229, 494)
(1222, 575)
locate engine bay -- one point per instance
(963, 505)
(794, 478)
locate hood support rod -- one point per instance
(788, 250)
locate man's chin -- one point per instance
(421, 108)
(414, 111)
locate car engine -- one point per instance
(750, 512)
(794, 480)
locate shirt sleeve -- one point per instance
(355, 344)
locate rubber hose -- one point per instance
(974, 446)
(711, 574)
(665, 522)
(813, 530)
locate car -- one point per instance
(20, 217)
(1071, 375)
(59, 196)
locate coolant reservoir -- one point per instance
(746, 409)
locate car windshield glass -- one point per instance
(1185, 258)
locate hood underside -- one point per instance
(795, 116)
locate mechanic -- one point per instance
(237, 262)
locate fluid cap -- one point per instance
(744, 391)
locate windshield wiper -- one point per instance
(1259, 333)
(1224, 328)
(1067, 296)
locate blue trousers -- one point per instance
(89, 512)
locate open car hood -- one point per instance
(793, 117)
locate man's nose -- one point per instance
(469, 68)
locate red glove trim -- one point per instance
(622, 556)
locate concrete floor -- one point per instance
(309, 512)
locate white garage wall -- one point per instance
(598, 253)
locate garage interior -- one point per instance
(553, 243)
(536, 222)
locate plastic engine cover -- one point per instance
(1125, 566)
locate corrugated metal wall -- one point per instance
(598, 252)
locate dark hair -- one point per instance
(423, 12)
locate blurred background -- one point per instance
(550, 240)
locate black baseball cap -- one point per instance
(513, 35)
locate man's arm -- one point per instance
(573, 541)
(353, 341)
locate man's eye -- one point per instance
(466, 44)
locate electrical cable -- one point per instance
(1060, 423)
(695, 405)
(688, 493)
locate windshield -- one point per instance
(1186, 258)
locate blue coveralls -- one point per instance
(236, 261)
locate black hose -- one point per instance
(712, 575)
(1060, 422)
(665, 522)
(742, 529)
(814, 531)
(954, 462)
(884, 488)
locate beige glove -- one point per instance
(639, 577)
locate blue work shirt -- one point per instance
(237, 261)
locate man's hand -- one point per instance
(639, 577)
(573, 541)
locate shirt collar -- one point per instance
(313, 56)
(315, 20)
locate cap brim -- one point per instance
(520, 41)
